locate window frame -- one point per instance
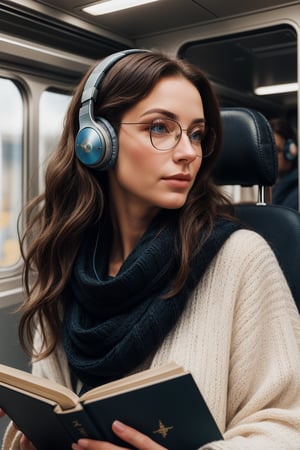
(31, 88)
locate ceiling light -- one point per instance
(276, 89)
(109, 6)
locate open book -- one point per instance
(163, 403)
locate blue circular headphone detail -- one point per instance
(96, 143)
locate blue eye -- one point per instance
(160, 127)
(197, 135)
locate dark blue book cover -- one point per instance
(172, 412)
(169, 408)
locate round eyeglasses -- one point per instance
(165, 134)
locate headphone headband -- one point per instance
(96, 143)
(90, 90)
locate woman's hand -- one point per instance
(25, 443)
(127, 434)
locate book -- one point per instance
(163, 403)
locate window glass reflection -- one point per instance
(11, 150)
(53, 107)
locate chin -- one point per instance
(169, 200)
(174, 204)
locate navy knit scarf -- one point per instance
(111, 325)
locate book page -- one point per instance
(67, 399)
(38, 386)
(134, 381)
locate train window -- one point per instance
(11, 151)
(239, 63)
(53, 107)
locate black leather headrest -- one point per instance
(248, 154)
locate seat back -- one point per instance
(249, 158)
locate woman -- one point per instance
(141, 263)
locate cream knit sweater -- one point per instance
(240, 337)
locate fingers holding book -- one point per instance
(133, 437)
(26, 444)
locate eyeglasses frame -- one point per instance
(208, 129)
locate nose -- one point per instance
(184, 150)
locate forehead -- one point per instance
(175, 94)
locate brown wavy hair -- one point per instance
(74, 196)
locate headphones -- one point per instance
(290, 150)
(96, 143)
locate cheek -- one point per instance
(137, 165)
(134, 158)
(197, 164)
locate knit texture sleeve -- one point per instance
(54, 366)
(263, 392)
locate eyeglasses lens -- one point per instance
(164, 133)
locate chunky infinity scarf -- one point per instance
(111, 325)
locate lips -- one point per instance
(179, 177)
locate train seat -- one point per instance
(249, 158)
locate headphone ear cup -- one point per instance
(96, 145)
(112, 144)
(290, 150)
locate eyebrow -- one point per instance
(169, 114)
